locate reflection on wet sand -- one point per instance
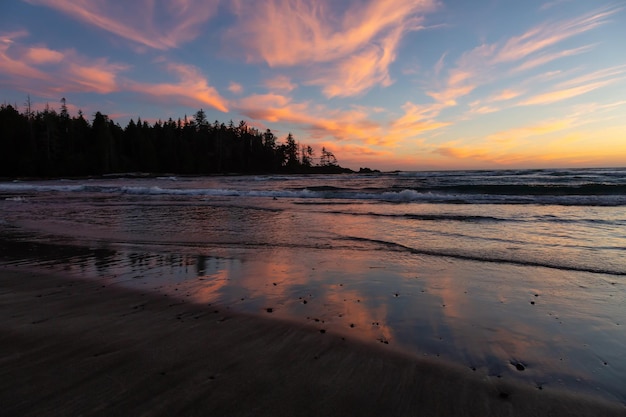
(523, 327)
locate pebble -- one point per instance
(519, 366)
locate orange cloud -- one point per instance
(65, 72)
(559, 95)
(361, 71)
(159, 25)
(192, 89)
(416, 119)
(99, 77)
(318, 121)
(507, 94)
(515, 135)
(355, 42)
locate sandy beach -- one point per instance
(76, 347)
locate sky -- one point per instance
(386, 84)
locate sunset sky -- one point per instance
(388, 84)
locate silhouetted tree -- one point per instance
(47, 143)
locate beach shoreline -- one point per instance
(78, 347)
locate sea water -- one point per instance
(516, 274)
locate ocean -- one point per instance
(517, 274)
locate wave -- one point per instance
(431, 217)
(472, 257)
(587, 189)
(591, 194)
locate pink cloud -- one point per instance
(155, 24)
(280, 83)
(235, 88)
(578, 86)
(12, 64)
(42, 55)
(549, 34)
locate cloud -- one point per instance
(42, 55)
(507, 94)
(577, 86)
(65, 71)
(515, 136)
(157, 24)
(563, 94)
(97, 76)
(489, 62)
(280, 83)
(16, 72)
(552, 4)
(469, 72)
(192, 89)
(362, 70)
(235, 88)
(550, 33)
(546, 58)
(346, 47)
(318, 121)
(416, 119)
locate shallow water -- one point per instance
(515, 274)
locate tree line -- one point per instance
(52, 143)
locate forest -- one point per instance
(52, 143)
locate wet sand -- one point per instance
(76, 347)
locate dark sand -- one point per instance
(76, 348)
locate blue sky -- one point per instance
(395, 84)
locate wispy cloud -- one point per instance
(550, 4)
(157, 24)
(51, 72)
(549, 34)
(577, 86)
(416, 120)
(346, 47)
(235, 88)
(489, 62)
(280, 83)
(98, 76)
(55, 73)
(192, 89)
(12, 65)
(42, 55)
(319, 122)
(549, 57)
